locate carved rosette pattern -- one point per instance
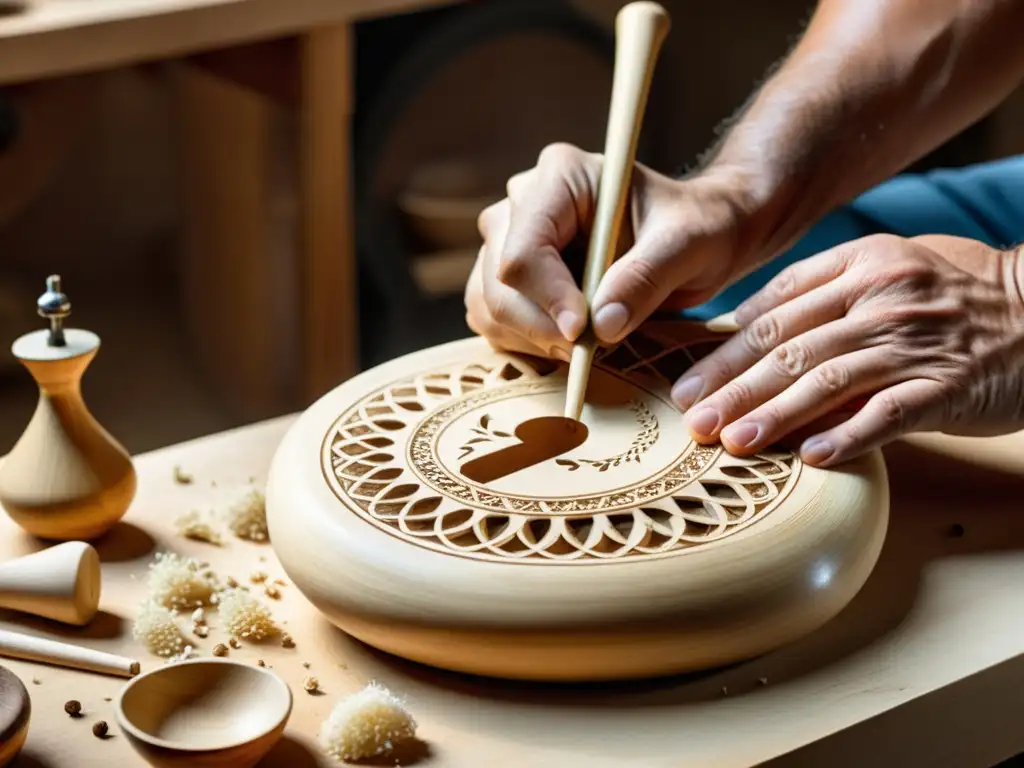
(379, 462)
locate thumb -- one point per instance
(637, 284)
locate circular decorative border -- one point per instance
(422, 459)
(730, 494)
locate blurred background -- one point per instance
(111, 178)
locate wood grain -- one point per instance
(640, 31)
(66, 478)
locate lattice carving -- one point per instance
(382, 460)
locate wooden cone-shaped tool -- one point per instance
(61, 583)
(66, 478)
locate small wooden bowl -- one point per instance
(442, 201)
(204, 713)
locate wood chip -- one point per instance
(181, 476)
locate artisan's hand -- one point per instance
(521, 295)
(929, 330)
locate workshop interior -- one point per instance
(268, 501)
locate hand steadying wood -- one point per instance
(640, 30)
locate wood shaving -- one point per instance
(244, 616)
(311, 685)
(201, 630)
(156, 628)
(187, 653)
(234, 643)
(272, 592)
(220, 650)
(175, 582)
(257, 577)
(305, 664)
(287, 641)
(366, 724)
(247, 519)
(181, 476)
(193, 526)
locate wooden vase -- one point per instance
(66, 478)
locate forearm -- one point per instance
(872, 86)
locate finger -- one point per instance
(507, 308)
(796, 279)
(906, 407)
(548, 208)
(825, 389)
(640, 281)
(813, 356)
(761, 337)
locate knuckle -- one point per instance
(891, 414)
(832, 379)
(641, 275)
(790, 360)
(762, 335)
(559, 153)
(736, 397)
(784, 283)
(487, 218)
(517, 184)
(513, 269)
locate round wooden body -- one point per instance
(437, 507)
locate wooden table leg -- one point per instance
(328, 278)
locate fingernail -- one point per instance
(815, 450)
(703, 421)
(687, 391)
(610, 320)
(567, 323)
(742, 434)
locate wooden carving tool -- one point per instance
(640, 30)
(61, 583)
(15, 645)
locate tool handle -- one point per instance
(15, 645)
(640, 30)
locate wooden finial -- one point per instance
(66, 478)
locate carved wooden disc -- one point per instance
(439, 507)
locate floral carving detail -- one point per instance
(482, 434)
(379, 460)
(646, 437)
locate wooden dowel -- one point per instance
(15, 645)
(640, 30)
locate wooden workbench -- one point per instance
(925, 667)
(227, 184)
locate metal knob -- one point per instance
(55, 306)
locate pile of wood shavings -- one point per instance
(193, 526)
(178, 582)
(244, 616)
(156, 628)
(247, 518)
(366, 724)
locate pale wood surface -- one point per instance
(205, 713)
(925, 667)
(55, 37)
(557, 545)
(61, 583)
